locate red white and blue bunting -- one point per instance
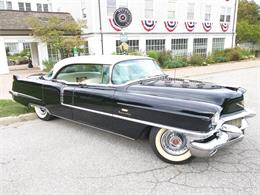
(190, 26)
(149, 25)
(170, 25)
(207, 26)
(113, 25)
(224, 26)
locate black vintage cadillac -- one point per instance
(130, 96)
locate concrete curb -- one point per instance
(15, 119)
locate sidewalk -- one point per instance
(192, 71)
(6, 80)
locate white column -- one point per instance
(43, 54)
(20, 46)
(190, 46)
(209, 46)
(34, 54)
(142, 44)
(3, 58)
(168, 44)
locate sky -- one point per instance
(257, 1)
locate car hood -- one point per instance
(187, 90)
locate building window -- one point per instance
(28, 7)
(39, 7)
(111, 7)
(123, 3)
(45, 7)
(190, 13)
(200, 46)
(171, 9)
(9, 5)
(148, 10)
(218, 44)
(155, 44)
(26, 46)
(207, 13)
(225, 14)
(53, 55)
(2, 5)
(228, 15)
(21, 6)
(12, 47)
(133, 45)
(180, 47)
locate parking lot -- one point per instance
(63, 158)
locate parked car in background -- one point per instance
(132, 97)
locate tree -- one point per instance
(248, 24)
(60, 35)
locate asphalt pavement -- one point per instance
(63, 158)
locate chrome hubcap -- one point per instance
(174, 143)
(41, 111)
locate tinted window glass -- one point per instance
(85, 74)
(134, 70)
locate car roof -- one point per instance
(95, 59)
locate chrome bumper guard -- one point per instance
(224, 134)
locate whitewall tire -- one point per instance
(42, 113)
(169, 146)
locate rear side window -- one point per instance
(85, 73)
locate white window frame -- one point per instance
(39, 7)
(200, 46)
(9, 5)
(179, 47)
(155, 44)
(171, 9)
(23, 7)
(208, 13)
(191, 11)
(13, 47)
(44, 6)
(218, 44)
(2, 5)
(133, 45)
(111, 7)
(122, 3)
(225, 14)
(28, 7)
(149, 9)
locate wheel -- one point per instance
(169, 146)
(43, 113)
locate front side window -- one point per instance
(218, 44)
(133, 70)
(85, 74)
(200, 46)
(179, 47)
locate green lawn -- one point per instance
(11, 108)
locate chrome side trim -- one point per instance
(179, 130)
(17, 94)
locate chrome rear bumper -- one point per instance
(224, 134)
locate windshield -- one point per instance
(134, 69)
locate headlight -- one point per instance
(215, 118)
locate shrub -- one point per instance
(153, 54)
(197, 60)
(234, 54)
(136, 53)
(164, 58)
(48, 65)
(210, 59)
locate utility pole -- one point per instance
(100, 28)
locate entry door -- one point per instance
(94, 106)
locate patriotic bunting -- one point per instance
(170, 25)
(224, 26)
(207, 26)
(114, 26)
(149, 25)
(190, 26)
